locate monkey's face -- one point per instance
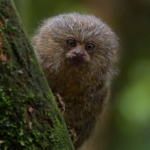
(78, 52)
(82, 41)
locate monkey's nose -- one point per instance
(76, 56)
(79, 53)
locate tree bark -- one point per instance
(29, 117)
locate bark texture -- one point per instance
(29, 117)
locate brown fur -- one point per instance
(84, 87)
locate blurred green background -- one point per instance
(128, 123)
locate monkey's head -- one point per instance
(75, 40)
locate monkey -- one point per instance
(78, 55)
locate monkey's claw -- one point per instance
(60, 103)
(72, 133)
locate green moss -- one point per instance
(23, 86)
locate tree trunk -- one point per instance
(29, 117)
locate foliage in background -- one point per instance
(33, 11)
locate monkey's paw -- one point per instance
(72, 133)
(60, 103)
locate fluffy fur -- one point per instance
(83, 87)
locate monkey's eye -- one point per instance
(89, 46)
(71, 43)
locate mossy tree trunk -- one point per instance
(29, 117)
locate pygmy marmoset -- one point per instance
(78, 53)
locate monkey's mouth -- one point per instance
(76, 60)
